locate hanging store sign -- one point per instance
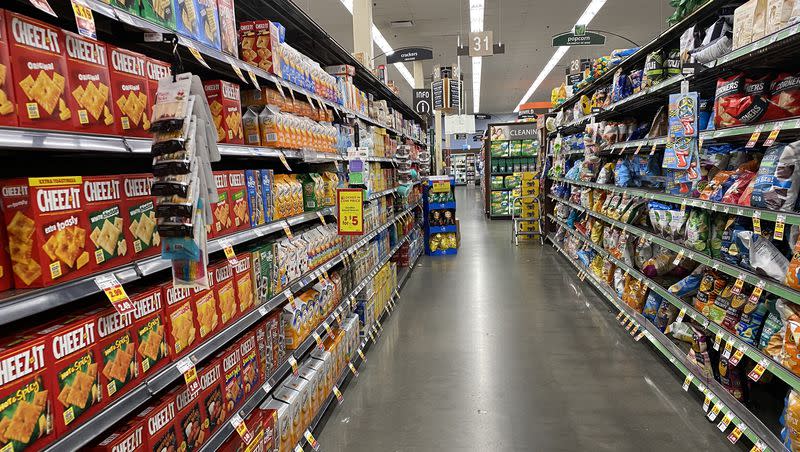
(527, 114)
(409, 54)
(455, 94)
(481, 43)
(459, 124)
(422, 102)
(572, 39)
(521, 131)
(350, 211)
(482, 116)
(437, 88)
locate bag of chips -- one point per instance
(737, 188)
(756, 106)
(749, 325)
(688, 286)
(730, 377)
(792, 278)
(715, 239)
(777, 182)
(727, 99)
(651, 305)
(785, 90)
(711, 285)
(697, 229)
(765, 257)
(667, 312)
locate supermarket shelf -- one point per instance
(215, 442)
(18, 304)
(442, 229)
(441, 205)
(380, 159)
(128, 404)
(770, 286)
(448, 252)
(755, 430)
(380, 194)
(728, 209)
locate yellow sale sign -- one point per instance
(350, 207)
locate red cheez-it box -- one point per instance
(192, 426)
(89, 98)
(7, 96)
(226, 110)
(47, 229)
(156, 70)
(39, 69)
(150, 330)
(139, 216)
(159, 422)
(119, 370)
(211, 394)
(26, 416)
(103, 202)
(129, 91)
(183, 334)
(128, 438)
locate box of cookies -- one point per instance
(72, 347)
(89, 98)
(227, 27)
(38, 68)
(26, 413)
(161, 431)
(161, 12)
(139, 215)
(150, 330)
(237, 186)
(211, 393)
(231, 359)
(47, 229)
(260, 45)
(7, 96)
(192, 424)
(226, 110)
(182, 331)
(129, 91)
(156, 70)
(208, 31)
(244, 283)
(117, 347)
(103, 204)
(224, 290)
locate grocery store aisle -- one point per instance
(500, 349)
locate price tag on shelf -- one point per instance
(726, 353)
(619, 316)
(706, 402)
(758, 370)
(338, 394)
(115, 292)
(638, 148)
(757, 291)
(327, 327)
(352, 369)
(289, 296)
(236, 69)
(195, 53)
(639, 336)
(717, 340)
(293, 363)
(372, 334)
(630, 325)
(653, 149)
(757, 222)
(186, 367)
(687, 382)
(311, 440)
(759, 446)
(712, 415)
(318, 340)
(754, 137)
(678, 257)
(262, 310)
(725, 422)
(780, 224)
(229, 253)
(287, 229)
(738, 285)
(773, 134)
(683, 205)
(681, 314)
(321, 218)
(254, 79)
(241, 428)
(298, 448)
(737, 356)
(736, 433)
(337, 316)
(83, 19)
(282, 158)
(361, 354)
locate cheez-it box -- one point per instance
(6, 275)
(26, 415)
(156, 70)
(243, 283)
(212, 399)
(7, 96)
(226, 110)
(150, 330)
(231, 360)
(39, 70)
(117, 347)
(127, 438)
(225, 291)
(89, 98)
(159, 421)
(207, 312)
(47, 229)
(180, 317)
(221, 210)
(129, 91)
(104, 203)
(192, 426)
(248, 350)
(260, 45)
(239, 211)
(140, 216)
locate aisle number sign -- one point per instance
(350, 207)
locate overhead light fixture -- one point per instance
(380, 41)
(587, 16)
(475, 25)
(401, 23)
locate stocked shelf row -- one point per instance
(128, 404)
(739, 273)
(147, 26)
(216, 441)
(718, 403)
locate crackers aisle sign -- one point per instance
(350, 207)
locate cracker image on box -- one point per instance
(7, 95)
(78, 387)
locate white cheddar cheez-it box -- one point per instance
(140, 216)
(129, 91)
(39, 70)
(89, 98)
(103, 202)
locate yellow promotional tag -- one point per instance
(230, 254)
(638, 148)
(773, 134)
(738, 285)
(780, 223)
(759, 447)
(253, 79)
(189, 371)
(84, 19)
(728, 349)
(195, 53)
(241, 428)
(293, 363)
(754, 137)
(318, 339)
(712, 415)
(289, 296)
(678, 258)
(311, 440)
(717, 340)
(706, 402)
(687, 382)
(757, 222)
(115, 293)
(361, 354)
(298, 448)
(639, 336)
(735, 434)
(287, 230)
(757, 372)
(725, 422)
(757, 291)
(353, 369)
(237, 70)
(619, 316)
(737, 356)
(321, 218)
(681, 314)
(282, 158)
(338, 394)
(653, 149)
(327, 328)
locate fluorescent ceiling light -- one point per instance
(476, 25)
(401, 23)
(382, 44)
(587, 16)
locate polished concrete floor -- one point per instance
(504, 349)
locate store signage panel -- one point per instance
(459, 124)
(409, 54)
(481, 43)
(350, 211)
(455, 94)
(437, 88)
(572, 39)
(523, 131)
(422, 102)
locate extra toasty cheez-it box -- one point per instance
(39, 70)
(7, 95)
(89, 98)
(129, 91)
(104, 203)
(47, 229)
(26, 416)
(150, 330)
(140, 216)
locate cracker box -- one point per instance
(139, 214)
(161, 12)
(212, 394)
(267, 194)
(226, 110)
(209, 23)
(187, 17)
(8, 106)
(47, 230)
(260, 45)
(129, 91)
(254, 423)
(119, 370)
(231, 360)
(192, 426)
(127, 438)
(240, 216)
(89, 97)
(227, 27)
(25, 393)
(291, 430)
(74, 374)
(269, 423)
(264, 345)
(39, 71)
(180, 316)
(159, 419)
(103, 203)
(221, 210)
(261, 261)
(243, 283)
(281, 421)
(156, 70)
(248, 350)
(6, 275)
(255, 200)
(225, 291)
(150, 330)
(208, 323)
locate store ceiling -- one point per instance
(524, 26)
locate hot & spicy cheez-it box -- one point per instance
(89, 98)
(117, 347)
(47, 229)
(26, 416)
(39, 70)
(150, 330)
(129, 91)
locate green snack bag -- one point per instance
(161, 12)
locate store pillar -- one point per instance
(362, 30)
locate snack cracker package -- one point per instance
(159, 420)
(103, 202)
(237, 196)
(211, 394)
(129, 91)
(129, 436)
(226, 110)
(161, 12)
(231, 360)
(224, 290)
(7, 96)
(39, 70)
(208, 31)
(139, 213)
(150, 330)
(119, 369)
(89, 98)
(227, 27)
(191, 423)
(179, 312)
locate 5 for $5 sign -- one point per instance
(350, 209)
